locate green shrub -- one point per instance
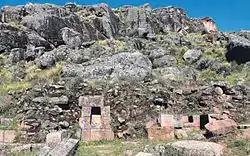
(14, 86)
(209, 75)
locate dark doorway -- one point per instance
(95, 111)
(203, 121)
(190, 119)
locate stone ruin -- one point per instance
(168, 125)
(95, 119)
(209, 24)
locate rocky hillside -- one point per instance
(143, 60)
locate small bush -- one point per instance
(35, 74)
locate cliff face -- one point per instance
(143, 60)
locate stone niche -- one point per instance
(95, 119)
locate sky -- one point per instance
(229, 15)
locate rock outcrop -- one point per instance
(122, 66)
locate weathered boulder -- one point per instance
(192, 55)
(72, 38)
(219, 127)
(47, 60)
(191, 147)
(122, 66)
(54, 138)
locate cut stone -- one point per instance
(160, 133)
(65, 148)
(54, 138)
(143, 154)
(195, 148)
(166, 120)
(7, 136)
(219, 127)
(91, 101)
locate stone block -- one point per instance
(65, 148)
(183, 120)
(160, 133)
(194, 148)
(7, 136)
(143, 154)
(106, 122)
(84, 122)
(43, 151)
(91, 101)
(86, 111)
(150, 124)
(196, 121)
(97, 134)
(221, 126)
(166, 120)
(102, 134)
(106, 111)
(86, 135)
(54, 138)
(96, 121)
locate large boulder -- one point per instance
(72, 38)
(47, 60)
(192, 55)
(196, 148)
(122, 66)
(219, 127)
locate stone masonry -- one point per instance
(95, 119)
(167, 125)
